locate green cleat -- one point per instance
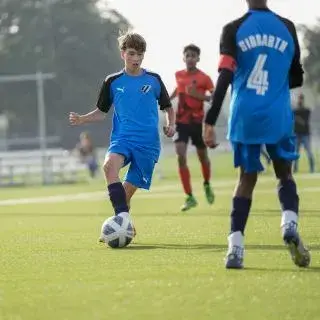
(191, 202)
(209, 192)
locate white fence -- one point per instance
(27, 167)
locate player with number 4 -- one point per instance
(260, 56)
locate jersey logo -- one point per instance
(146, 88)
(121, 89)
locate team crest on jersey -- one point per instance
(146, 88)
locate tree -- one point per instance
(311, 40)
(68, 37)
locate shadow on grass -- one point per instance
(296, 269)
(214, 247)
(256, 213)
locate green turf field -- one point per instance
(52, 267)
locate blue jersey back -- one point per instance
(264, 46)
(135, 100)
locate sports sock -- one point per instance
(289, 200)
(239, 214)
(117, 196)
(185, 180)
(235, 239)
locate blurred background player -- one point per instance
(302, 130)
(260, 56)
(135, 94)
(192, 85)
(87, 153)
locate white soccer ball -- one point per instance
(117, 231)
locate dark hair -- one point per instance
(192, 47)
(132, 40)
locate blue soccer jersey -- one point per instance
(264, 49)
(135, 100)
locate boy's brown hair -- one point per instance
(192, 47)
(132, 40)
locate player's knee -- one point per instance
(246, 184)
(110, 170)
(182, 160)
(249, 180)
(283, 170)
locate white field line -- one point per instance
(169, 191)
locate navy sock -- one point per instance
(240, 213)
(288, 197)
(117, 196)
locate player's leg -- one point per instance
(247, 157)
(92, 164)
(203, 157)
(139, 175)
(111, 167)
(181, 144)
(282, 156)
(306, 142)
(130, 190)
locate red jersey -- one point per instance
(190, 110)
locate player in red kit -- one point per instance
(192, 85)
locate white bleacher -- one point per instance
(25, 167)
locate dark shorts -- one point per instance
(192, 131)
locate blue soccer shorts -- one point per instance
(247, 156)
(141, 165)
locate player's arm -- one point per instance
(296, 71)
(227, 66)
(210, 89)
(224, 79)
(198, 95)
(173, 94)
(98, 114)
(170, 116)
(166, 106)
(93, 116)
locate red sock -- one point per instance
(185, 179)
(206, 171)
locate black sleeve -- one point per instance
(228, 45)
(163, 99)
(105, 96)
(296, 71)
(223, 82)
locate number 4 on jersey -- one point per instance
(258, 79)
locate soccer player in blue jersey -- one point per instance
(135, 94)
(260, 57)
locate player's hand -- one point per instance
(75, 119)
(169, 131)
(193, 92)
(209, 136)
